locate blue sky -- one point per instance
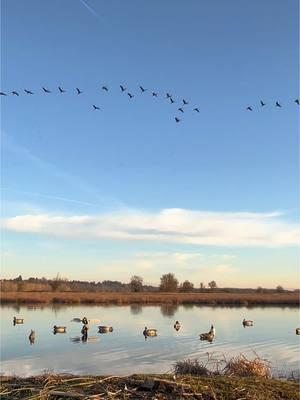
(105, 194)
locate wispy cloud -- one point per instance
(168, 225)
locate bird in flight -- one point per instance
(78, 91)
(249, 109)
(105, 88)
(262, 103)
(180, 109)
(177, 119)
(196, 109)
(168, 96)
(46, 90)
(142, 89)
(122, 88)
(297, 101)
(154, 94)
(278, 105)
(3, 94)
(15, 93)
(28, 91)
(171, 100)
(95, 107)
(130, 95)
(185, 102)
(61, 89)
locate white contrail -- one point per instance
(88, 7)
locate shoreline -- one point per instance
(151, 298)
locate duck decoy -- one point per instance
(123, 88)
(181, 109)
(247, 322)
(297, 331)
(84, 329)
(78, 91)
(15, 93)
(130, 95)
(61, 89)
(177, 326)
(185, 102)
(105, 329)
(3, 94)
(32, 337)
(96, 107)
(59, 329)
(28, 91)
(149, 332)
(196, 109)
(249, 108)
(105, 88)
(262, 103)
(177, 119)
(154, 94)
(46, 90)
(297, 101)
(278, 105)
(18, 321)
(209, 336)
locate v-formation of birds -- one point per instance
(123, 89)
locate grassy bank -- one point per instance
(290, 299)
(147, 387)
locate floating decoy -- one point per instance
(154, 94)
(105, 329)
(122, 88)
(105, 88)
(59, 329)
(31, 337)
(18, 321)
(209, 336)
(149, 332)
(262, 103)
(3, 94)
(185, 103)
(177, 119)
(278, 105)
(177, 325)
(297, 331)
(61, 89)
(15, 93)
(96, 107)
(297, 101)
(78, 91)
(130, 95)
(196, 109)
(247, 322)
(168, 95)
(84, 330)
(171, 100)
(46, 90)
(142, 89)
(28, 91)
(180, 109)
(249, 108)
(84, 320)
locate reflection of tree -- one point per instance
(168, 310)
(57, 308)
(188, 306)
(16, 307)
(136, 309)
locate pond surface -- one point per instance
(125, 350)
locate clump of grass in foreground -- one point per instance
(241, 366)
(191, 367)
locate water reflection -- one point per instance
(168, 310)
(136, 309)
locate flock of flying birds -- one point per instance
(123, 89)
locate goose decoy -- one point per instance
(180, 109)
(196, 109)
(3, 94)
(84, 330)
(85, 321)
(249, 108)
(177, 325)
(177, 119)
(171, 100)
(15, 93)
(105, 329)
(96, 107)
(247, 322)
(28, 91)
(46, 90)
(32, 337)
(105, 88)
(61, 89)
(78, 91)
(122, 88)
(184, 102)
(297, 101)
(297, 331)
(59, 329)
(278, 105)
(262, 103)
(18, 321)
(149, 332)
(142, 89)
(154, 94)
(130, 95)
(209, 336)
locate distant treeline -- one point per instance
(168, 283)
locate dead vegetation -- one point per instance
(241, 366)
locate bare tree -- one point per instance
(212, 285)
(168, 283)
(186, 287)
(136, 283)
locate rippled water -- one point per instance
(125, 350)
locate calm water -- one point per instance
(125, 350)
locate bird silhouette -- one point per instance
(249, 109)
(196, 109)
(168, 96)
(105, 88)
(154, 94)
(297, 101)
(28, 91)
(185, 102)
(3, 94)
(177, 119)
(95, 107)
(78, 91)
(180, 109)
(142, 89)
(122, 88)
(61, 89)
(262, 103)
(278, 105)
(130, 95)
(15, 93)
(46, 90)
(171, 100)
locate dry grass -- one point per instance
(151, 298)
(191, 367)
(241, 366)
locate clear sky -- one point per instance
(104, 194)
